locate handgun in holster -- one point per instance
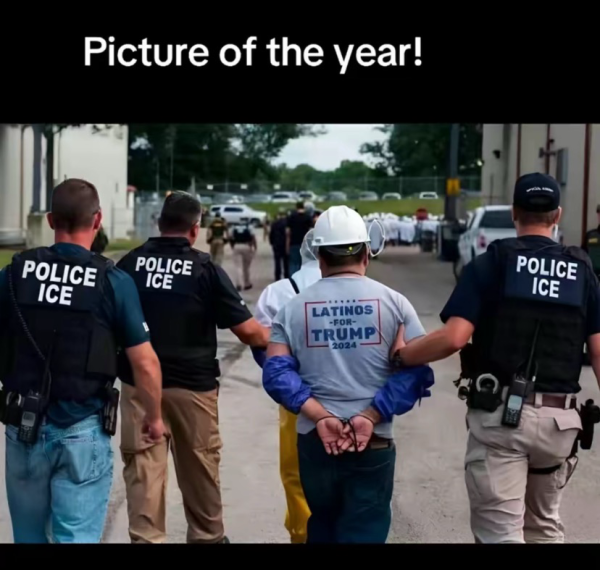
(110, 410)
(590, 415)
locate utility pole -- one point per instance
(172, 145)
(452, 182)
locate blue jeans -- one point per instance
(349, 495)
(295, 260)
(58, 488)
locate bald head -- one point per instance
(75, 204)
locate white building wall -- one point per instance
(594, 198)
(500, 174)
(533, 137)
(571, 137)
(16, 182)
(101, 158)
(492, 172)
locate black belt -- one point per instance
(377, 442)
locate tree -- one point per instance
(163, 155)
(422, 149)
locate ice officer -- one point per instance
(529, 305)
(64, 313)
(185, 297)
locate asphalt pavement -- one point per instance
(430, 502)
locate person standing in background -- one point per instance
(277, 239)
(243, 243)
(217, 236)
(298, 224)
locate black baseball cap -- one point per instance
(536, 192)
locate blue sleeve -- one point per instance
(468, 296)
(260, 355)
(402, 390)
(283, 383)
(129, 320)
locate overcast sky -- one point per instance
(325, 152)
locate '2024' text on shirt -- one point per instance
(341, 330)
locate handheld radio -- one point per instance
(34, 404)
(520, 388)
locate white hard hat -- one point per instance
(340, 225)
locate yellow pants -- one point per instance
(298, 512)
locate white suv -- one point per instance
(233, 214)
(487, 224)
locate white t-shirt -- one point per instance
(341, 330)
(281, 292)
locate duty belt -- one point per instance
(553, 400)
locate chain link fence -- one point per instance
(148, 203)
(406, 186)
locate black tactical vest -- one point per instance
(548, 285)
(242, 234)
(167, 273)
(593, 248)
(218, 230)
(59, 298)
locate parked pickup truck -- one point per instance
(487, 224)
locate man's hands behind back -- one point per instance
(338, 436)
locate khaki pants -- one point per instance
(508, 503)
(243, 255)
(191, 419)
(217, 251)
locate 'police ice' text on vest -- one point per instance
(54, 287)
(162, 270)
(545, 279)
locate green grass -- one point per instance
(405, 207)
(5, 257)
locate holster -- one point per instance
(110, 410)
(590, 415)
(468, 362)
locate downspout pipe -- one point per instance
(586, 179)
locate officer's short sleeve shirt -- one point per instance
(229, 308)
